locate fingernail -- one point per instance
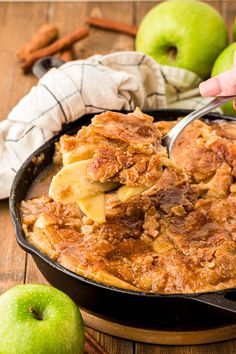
(210, 87)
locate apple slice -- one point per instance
(126, 192)
(94, 207)
(82, 152)
(71, 183)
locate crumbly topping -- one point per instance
(177, 236)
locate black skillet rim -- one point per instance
(21, 240)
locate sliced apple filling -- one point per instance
(82, 152)
(94, 207)
(114, 150)
(124, 193)
(71, 184)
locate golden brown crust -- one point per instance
(178, 236)
(123, 148)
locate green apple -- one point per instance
(39, 319)
(225, 62)
(185, 33)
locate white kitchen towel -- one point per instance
(118, 81)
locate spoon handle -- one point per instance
(169, 139)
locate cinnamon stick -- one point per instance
(66, 55)
(112, 25)
(55, 47)
(44, 36)
(92, 346)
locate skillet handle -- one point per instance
(44, 64)
(224, 302)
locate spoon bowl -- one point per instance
(169, 139)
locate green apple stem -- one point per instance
(36, 314)
(172, 53)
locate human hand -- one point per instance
(221, 85)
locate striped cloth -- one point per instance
(118, 81)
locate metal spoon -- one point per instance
(169, 139)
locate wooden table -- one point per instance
(18, 22)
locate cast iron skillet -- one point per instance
(185, 311)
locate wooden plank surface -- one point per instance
(18, 22)
(228, 347)
(13, 86)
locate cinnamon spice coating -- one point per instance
(178, 236)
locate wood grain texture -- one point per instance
(111, 344)
(15, 30)
(19, 21)
(104, 42)
(155, 336)
(229, 14)
(12, 258)
(219, 348)
(32, 274)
